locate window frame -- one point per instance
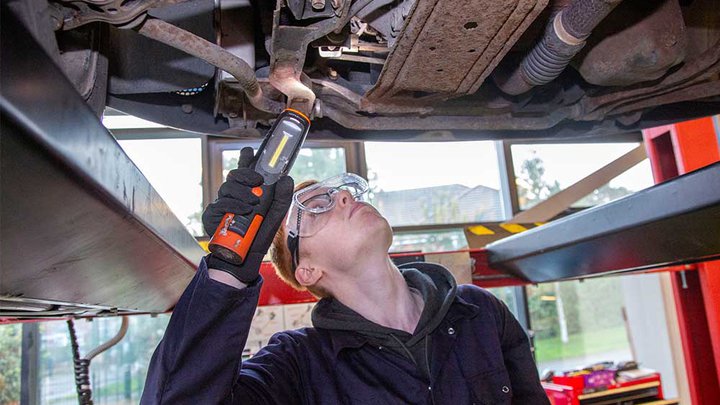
(214, 146)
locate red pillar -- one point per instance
(710, 281)
(674, 150)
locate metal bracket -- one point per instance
(289, 46)
(123, 13)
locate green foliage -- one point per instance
(591, 306)
(10, 352)
(571, 300)
(506, 295)
(532, 187)
(601, 304)
(580, 344)
(588, 305)
(543, 313)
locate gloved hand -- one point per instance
(235, 196)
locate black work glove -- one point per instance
(235, 196)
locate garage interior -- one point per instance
(606, 248)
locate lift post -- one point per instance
(675, 150)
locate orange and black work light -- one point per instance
(235, 234)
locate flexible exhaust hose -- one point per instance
(564, 37)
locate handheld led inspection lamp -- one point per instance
(235, 234)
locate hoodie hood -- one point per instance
(433, 282)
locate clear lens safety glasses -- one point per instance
(305, 216)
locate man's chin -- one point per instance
(386, 233)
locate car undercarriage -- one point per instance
(392, 70)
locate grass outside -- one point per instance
(117, 389)
(581, 344)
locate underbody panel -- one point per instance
(447, 49)
(380, 68)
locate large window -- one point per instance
(174, 169)
(434, 183)
(577, 323)
(508, 296)
(428, 241)
(117, 375)
(316, 163)
(543, 170)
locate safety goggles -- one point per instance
(305, 217)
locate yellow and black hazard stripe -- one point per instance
(481, 234)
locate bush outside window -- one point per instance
(578, 323)
(10, 357)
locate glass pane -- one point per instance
(440, 241)
(543, 170)
(117, 375)
(434, 183)
(174, 168)
(506, 295)
(578, 323)
(311, 163)
(10, 355)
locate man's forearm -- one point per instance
(226, 278)
(200, 354)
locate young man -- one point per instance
(381, 335)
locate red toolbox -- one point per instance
(585, 389)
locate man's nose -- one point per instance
(343, 198)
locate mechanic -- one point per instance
(381, 335)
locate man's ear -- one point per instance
(307, 276)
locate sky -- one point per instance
(414, 165)
(405, 165)
(174, 169)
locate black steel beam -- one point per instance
(675, 222)
(79, 223)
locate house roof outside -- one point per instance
(447, 204)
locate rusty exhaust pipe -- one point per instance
(213, 54)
